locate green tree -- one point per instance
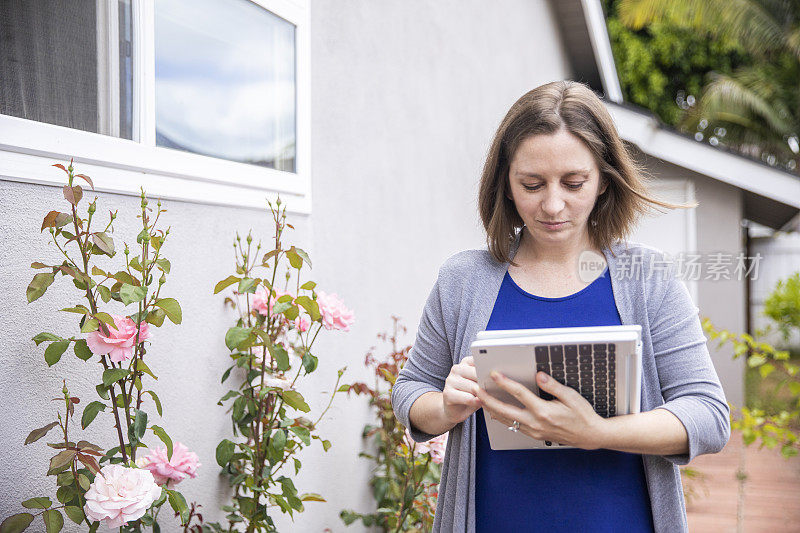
(753, 98)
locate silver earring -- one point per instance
(594, 223)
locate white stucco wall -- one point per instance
(405, 99)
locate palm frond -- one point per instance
(748, 22)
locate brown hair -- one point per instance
(543, 111)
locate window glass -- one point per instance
(225, 81)
(68, 62)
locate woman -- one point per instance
(558, 183)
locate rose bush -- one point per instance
(94, 483)
(273, 323)
(406, 475)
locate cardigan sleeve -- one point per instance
(689, 383)
(429, 362)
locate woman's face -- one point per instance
(554, 183)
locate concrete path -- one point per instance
(766, 500)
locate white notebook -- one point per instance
(603, 363)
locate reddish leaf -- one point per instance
(104, 242)
(60, 461)
(37, 264)
(74, 399)
(37, 434)
(73, 194)
(87, 178)
(90, 462)
(59, 165)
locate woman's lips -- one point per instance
(553, 225)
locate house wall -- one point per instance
(718, 216)
(405, 99)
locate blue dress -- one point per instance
(569, 490)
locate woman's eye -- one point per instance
(574, 186)
(532, 187)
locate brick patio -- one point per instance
(770, 494)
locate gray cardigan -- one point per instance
(677, 372)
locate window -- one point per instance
(68, 65)
(202, 100)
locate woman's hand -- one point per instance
(459, 397)
(569, 419)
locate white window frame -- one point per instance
(29, 148)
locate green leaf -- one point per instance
(139, 425)
(61, 461)
(156, 317)
(178, 504)
(90, 325)
(766, 369)
(16, 523)
(66, 493)
(102, 391)
(141, 366)
(228, 395)
(39, 285)
(65, 478)
(235, 336)
(105, 293)
(312, 497)
(162, 435)
(156, 400)
(112, 375)
(311, 306)
(164, 264)
(74, 513)
(53, 352)
(310, 362)
(143, 236)
(106, 319)
(44, 336)
(308, 285)
(787, 450)
(171, 307)
(247, 285)
(280, 355)
(42, 502)
(278, 441)
(104, 242)
(130, 294)
(303, 433)
(226, 374)
(90, 413)
(296, 400)
(82, 350)
(224, 452)
(326, 445)
(37, 434)
(53, 520)
(78, 309)
(230, 280)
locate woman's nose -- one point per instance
(553, 203)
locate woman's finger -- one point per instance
(501, 409)
(519, 391)
(463, 384)
(466, 371)
(458, 397)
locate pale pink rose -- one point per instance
(435, 447)
(302, 323)
(334, 314)
(170, 471)
(120, 342)
(260, 300)
(120, 495)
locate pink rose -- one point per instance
(170, 471)
(302, 323)
(120, 494)
(120, 342)
(334, 314)
(260, 300)
(435, 447)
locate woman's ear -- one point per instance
(603, 184)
